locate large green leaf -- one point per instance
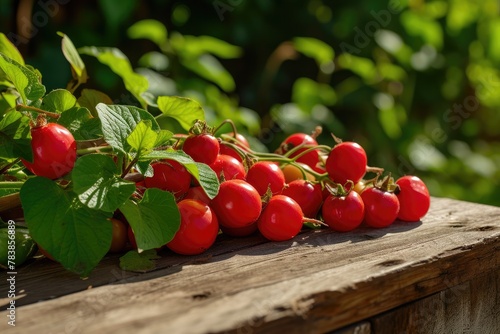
(75, 235)
(8, 49)
(186, 111)
(90, 98)
(209, 67)
(119, 121)
(201, 172)
(77, 66)
(154, 220)
(308, 93)
(119, 63)
(150, 29)
(80, 123)
(314, 48)
(143, 138)
(15, 137)
(25, 80)
(98, 185)
(58, 100)
(194, 46)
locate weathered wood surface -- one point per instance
(467, 308)
(318, 282)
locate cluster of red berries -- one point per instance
(277, 193)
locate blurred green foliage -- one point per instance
(416, 82)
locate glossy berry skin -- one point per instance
(343, 213)
(237, 204)
(169, 175)
(414, 198)
(198, 230)
(264, 175)
(119, 239)
(197, 193)
(346, 161)
(311, 158)
(381, 207)
(293, 173)
(202, 148)
(240, 231)
(226, 150)
(228, 167)
(308, 195)
(281, 219)
(54, 151)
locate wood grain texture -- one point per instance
(318, 282)
(467, 308)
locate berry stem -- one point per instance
(313, 221)
(230, 122)
(7, 167)
(37, 110)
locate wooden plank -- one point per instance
(318, 282)
(470, 307)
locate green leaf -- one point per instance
(15, 137)
(163, 138)
(208, 180)
(119, 121)
(76, 236)
(8, 49)
(201, 172)
(90, 98)
(78, 69)
(139, 262)
(209, 67)
(150, 29)
(364, 67)
(7, 102)
(154, 220)
(97, 184)
(314, 48)
(80, 123)
(186, 111)
(308, 93)
(119, 64)
(429, 30)
(25, 80)
(58, 100)
(155, 60)
(195, 46)
(142, 138)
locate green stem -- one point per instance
(129, 167)
(7, 167)
(230, 122)
(89, 150)
(38, 110)
(11, 184)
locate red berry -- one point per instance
(237, 204)
(198, 230)
(202, 148)
(197, 193)
(414, 198)
(381, 207)
(281, 219)
(343, 213)
(169, 175)
(346, 161)
(308, 195)
(310, 158)
(54, 151)
(228, 167)
(264, 175)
